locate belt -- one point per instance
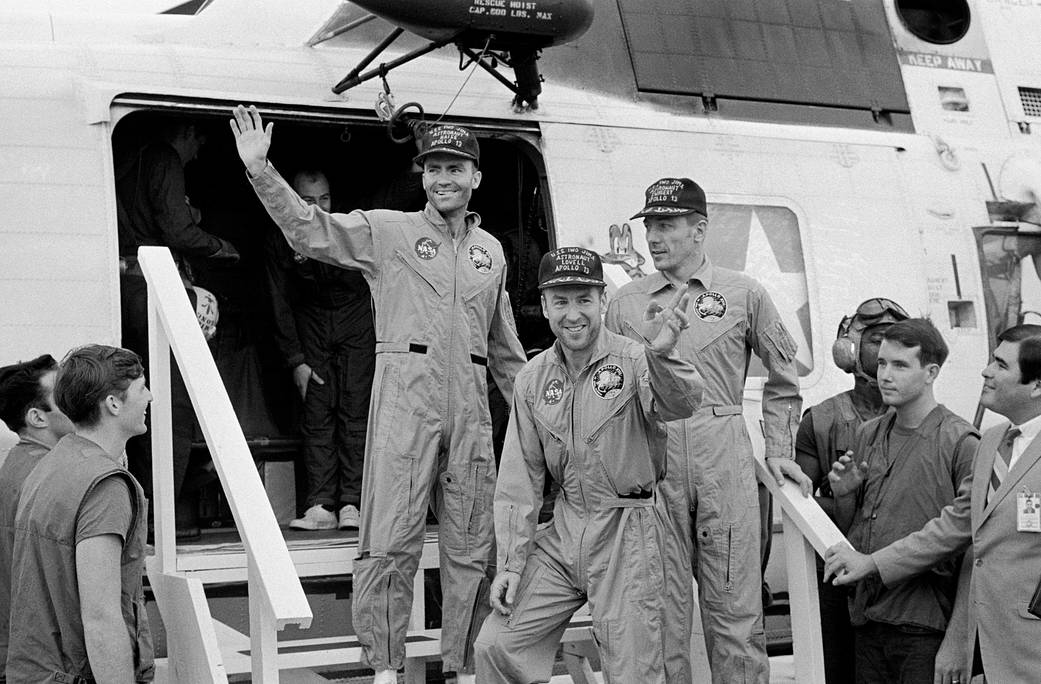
(416, 348)
(638, 500)
(66, 678)
(731, 410)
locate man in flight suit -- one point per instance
(323, 330)
(711, 486)
(590, 410)
(825, 434)
(442, 319)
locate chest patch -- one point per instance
(553, 392)
(480, 258)
(608, 381)
(710, 306)
(426, 248)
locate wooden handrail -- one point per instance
(272, 570)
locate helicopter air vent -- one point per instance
(1030, 98)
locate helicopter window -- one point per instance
(764, 241)
(935, 21)
(1010, 260)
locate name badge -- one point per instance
(1028, 512)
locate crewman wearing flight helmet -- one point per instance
(442, 320)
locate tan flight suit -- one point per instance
(711, 485)
(442, 316)
(601, 435)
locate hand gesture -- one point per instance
(252, 140)
(302, 375)
(503, 592)
(662, 326)
(846, 565)
(846, 476)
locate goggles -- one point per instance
(878, 308)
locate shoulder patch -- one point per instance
(480, 258)
(608, 381)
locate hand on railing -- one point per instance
(844, 565)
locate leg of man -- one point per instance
(463, 504)
(626, 586)
(520, 647)
(726, 540)
(316, 330)
(836, 632)
(675, 492)
(402, 444)
(871, 655)
(352, 417)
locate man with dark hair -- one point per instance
(901, 470)
(443, 320)
(591, 410)
(79, 537)
(323, 330)
(27, 407)
(826, 433)
(711, 485)
(995, 630)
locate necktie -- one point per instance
(997, 475)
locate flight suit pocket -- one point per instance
(385, 390)
(625, 462)
(642, 562)
(715, 567)
(466, 527)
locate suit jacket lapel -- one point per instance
(984, 465)
(1029, 456)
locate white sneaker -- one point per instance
(386, 677)
(316, 518)
(465, 678)
(349, 517)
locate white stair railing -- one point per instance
(808, 531)
(276, 597)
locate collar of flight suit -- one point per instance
(656, 282)
(602, 348)
(471, 220)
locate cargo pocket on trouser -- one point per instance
(630, 650)
(144, 658)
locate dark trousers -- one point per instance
(339, 345)
(887, 654)
(836, 632)
(134, 316)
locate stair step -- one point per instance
(221, 557)
(339, 651)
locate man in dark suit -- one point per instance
(991, 633)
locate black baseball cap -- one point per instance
(673, 197)
(571, 266)
(454, 140)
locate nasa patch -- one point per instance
(608, 381)
(553, 392)
(710, 306)
(426, 248)
(480, 258)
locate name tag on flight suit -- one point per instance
(1028, 512)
